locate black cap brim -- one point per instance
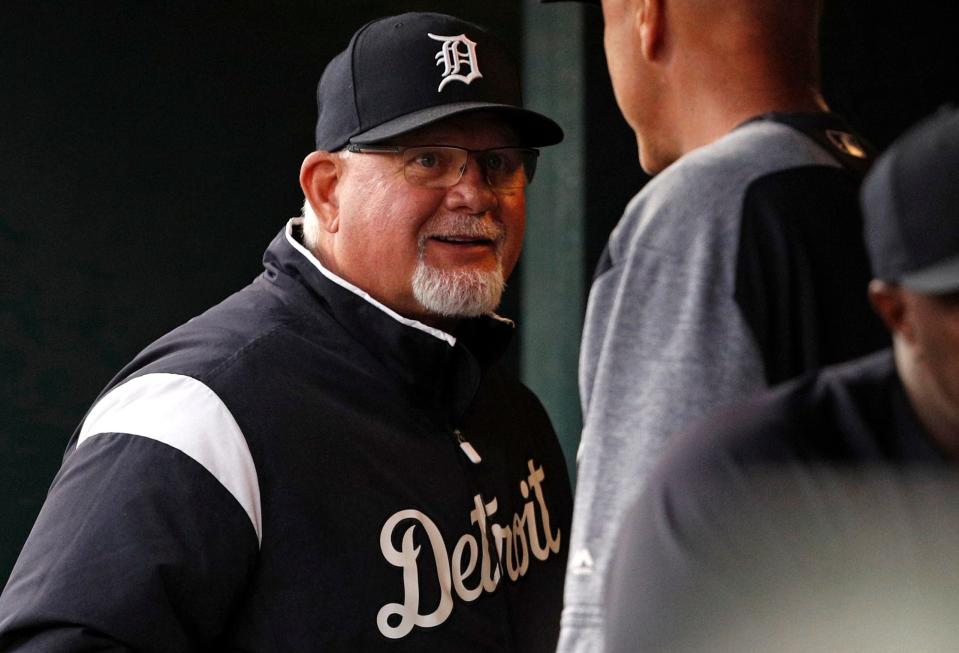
(937, 279)
(534, 129)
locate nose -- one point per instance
(472, 193)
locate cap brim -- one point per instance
(534, 129)
(936, 279)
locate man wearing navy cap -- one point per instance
(823, 514)
(331, 459)
(912, 209)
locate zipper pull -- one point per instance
(467, 448)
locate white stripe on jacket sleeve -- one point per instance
(183, 413)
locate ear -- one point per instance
(890, 303)
(319, 179)
(650, 26)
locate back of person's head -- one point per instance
(686, 72)
(781, 35)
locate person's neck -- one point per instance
(720, 108)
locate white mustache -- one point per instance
(463, 226)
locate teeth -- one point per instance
(460, 239)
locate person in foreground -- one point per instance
(331, 459)
(823, 514)
(739, 265)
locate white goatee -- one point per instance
(457, 293)
(460, 292)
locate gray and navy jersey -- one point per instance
(301, 469)
(740, 265)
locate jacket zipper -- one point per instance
(467, 448)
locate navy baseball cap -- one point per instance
(910, 204)
(405, 72)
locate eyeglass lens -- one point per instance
(442, 166)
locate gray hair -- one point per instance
(311, 226)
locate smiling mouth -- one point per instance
(463, 240)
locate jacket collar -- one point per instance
(830, 131)
(436, 366)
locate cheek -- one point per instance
(939, 342)
(379, 244)
(950, 346)
(937, 329)
(622, 72)
(948, 362)
(386, 216)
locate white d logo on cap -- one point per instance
(457, 51)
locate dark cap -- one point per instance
(910, 204)
(404, 72)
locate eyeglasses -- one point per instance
(442, 166)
